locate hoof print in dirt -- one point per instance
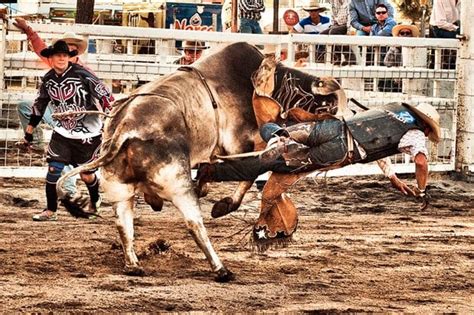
(134, 271)
(24, 203)
(224, 275)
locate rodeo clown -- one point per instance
(76, 139)
(333, 143)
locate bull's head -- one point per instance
(332, 96)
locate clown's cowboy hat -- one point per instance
(73, 39)
(429, 115)
(314, 6)
(414, 30)
(59, 46)
(194, 45)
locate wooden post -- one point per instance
(235, 8)
(84, 11)
(465, 110)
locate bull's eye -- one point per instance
(320, 84)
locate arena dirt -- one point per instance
(360, 247)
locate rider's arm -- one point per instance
(414, 143)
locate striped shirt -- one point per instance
(308, 27)
(251, 9)
(413, 142)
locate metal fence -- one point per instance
(424, 70)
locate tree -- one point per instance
(413, 9)
(84, 11)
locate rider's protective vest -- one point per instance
(378, 131)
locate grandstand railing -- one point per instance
(128, 56)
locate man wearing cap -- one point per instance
(362, 14)
(192, 51)
(76, 139)
(333, 143)
(314, 23)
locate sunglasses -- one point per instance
(380, 12)
(406, 33)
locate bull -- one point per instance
(164, 128)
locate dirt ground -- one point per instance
(360, 247)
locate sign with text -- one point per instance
(193, 16)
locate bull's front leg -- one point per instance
(230, 204)
(124, 223)
(189, 207)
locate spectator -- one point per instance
(340, 25)
(444, 18)
(339, 18)
(250, 15)
(192, 51)
(362, 14)
(76, 139)
(394, 54)
(301, 59)
(384, 24)
(314, 23)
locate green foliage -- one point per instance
(413, 9)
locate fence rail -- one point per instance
(128, 56)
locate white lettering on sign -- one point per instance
(404, 117)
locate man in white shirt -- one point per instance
(444, 18)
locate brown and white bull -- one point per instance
(168, 126)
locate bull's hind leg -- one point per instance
(124, 222)
(189, 207)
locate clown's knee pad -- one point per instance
(54, 171)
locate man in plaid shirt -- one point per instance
(250, 15)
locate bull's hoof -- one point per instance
(224, 207)
(224, 275)
(135, 271)
(203, 190)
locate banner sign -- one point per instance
(193, 16)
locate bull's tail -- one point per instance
(109, 151)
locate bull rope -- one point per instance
(116, 107)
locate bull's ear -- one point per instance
(266, 109)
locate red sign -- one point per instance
(290, 17)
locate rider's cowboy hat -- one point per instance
(429, 115)
(271, 49)
(414, 30)
(314, 6)
(72, 39)
(194, 45)
(58, 47)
